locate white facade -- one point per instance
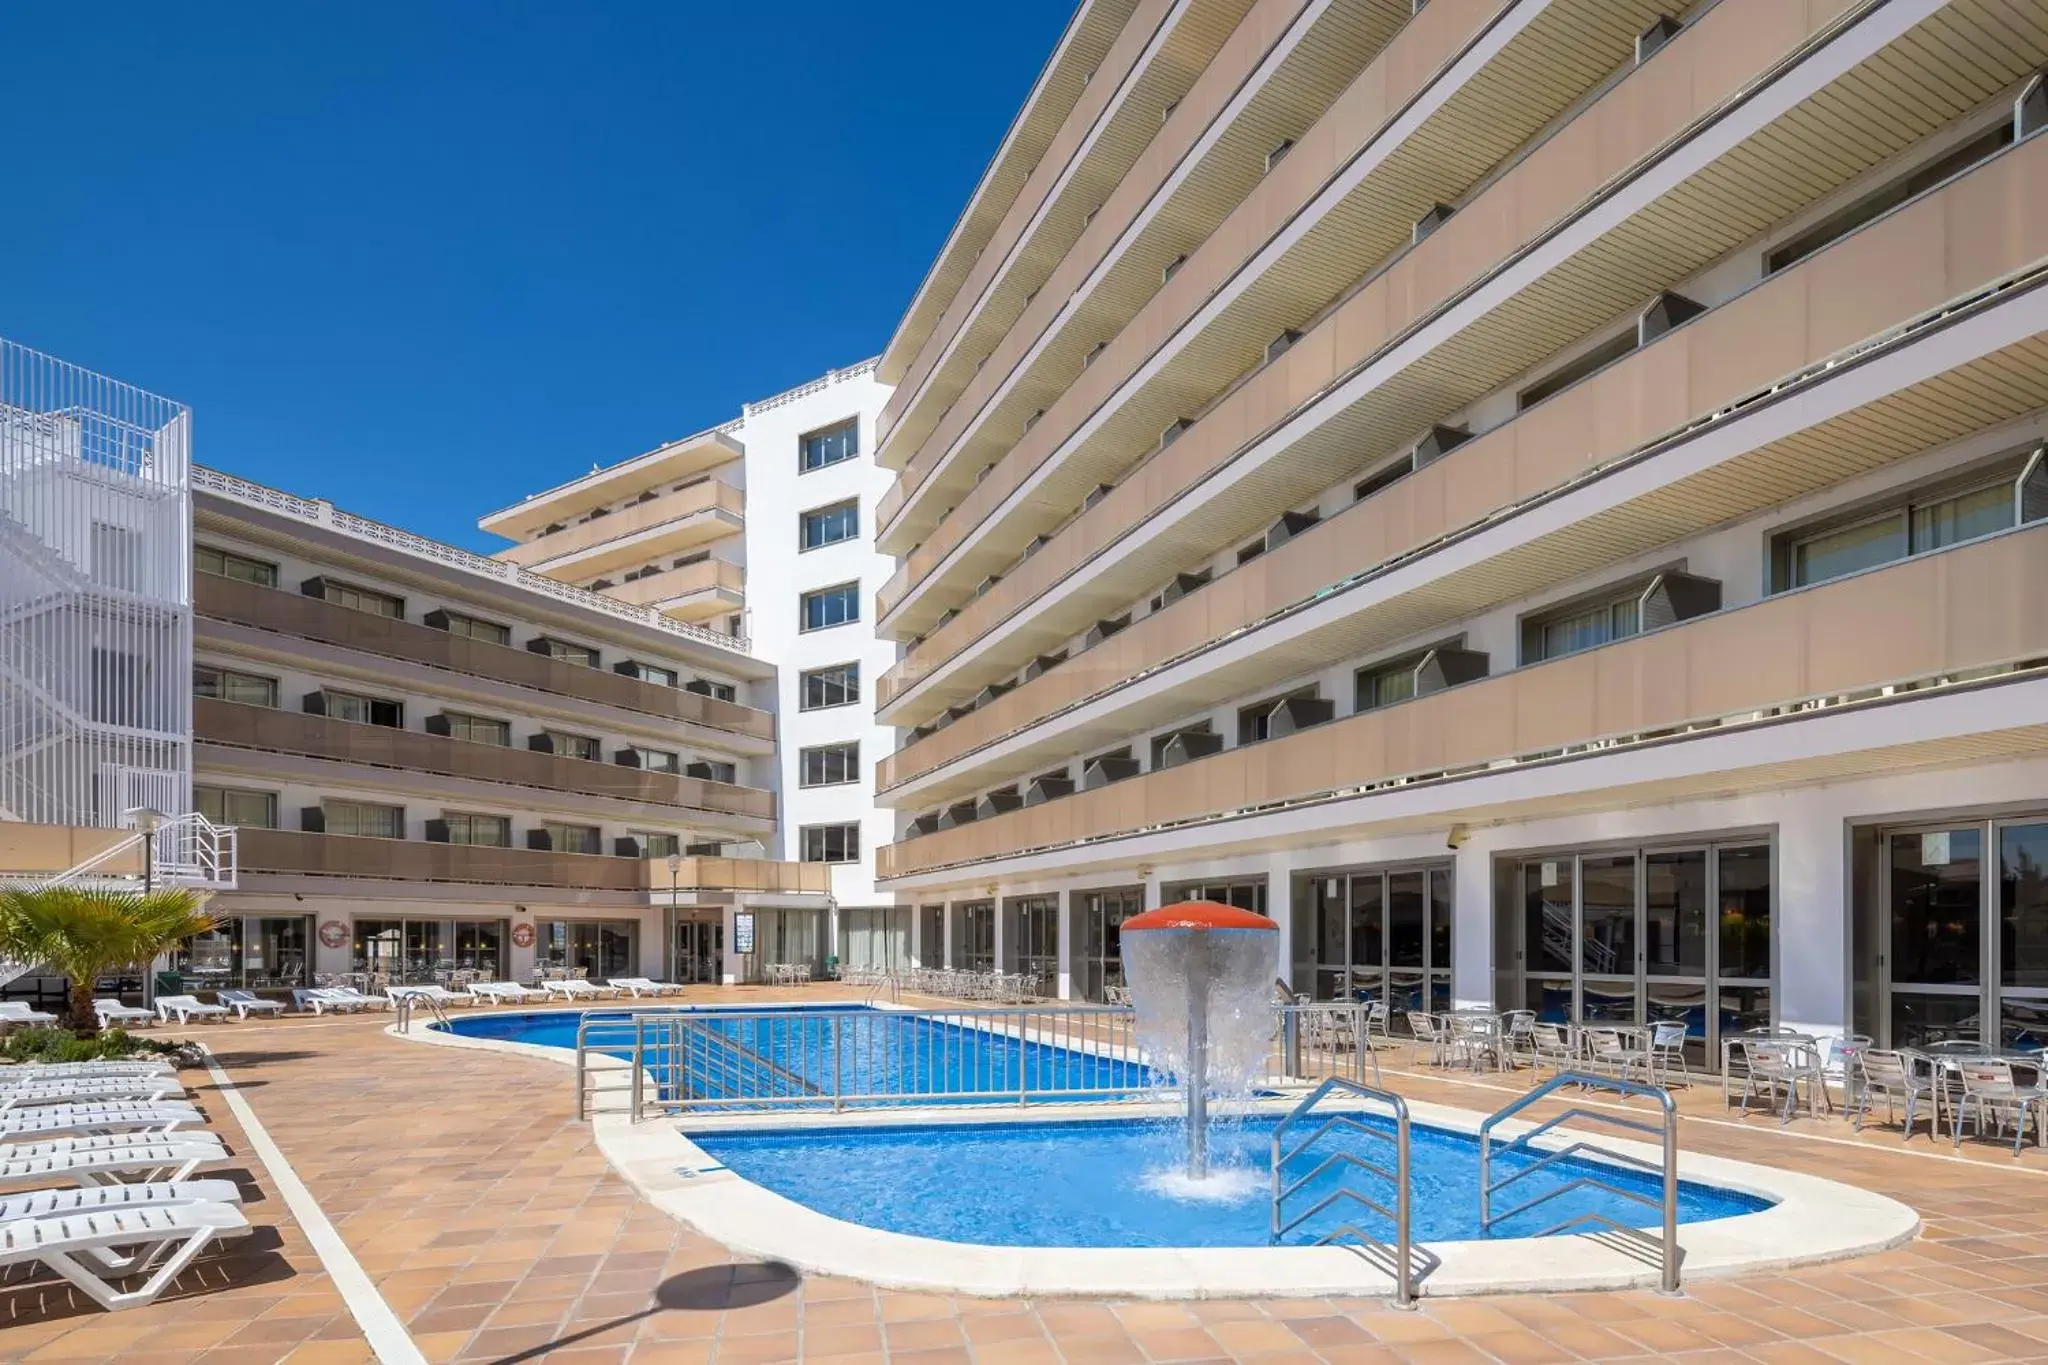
(780, 572)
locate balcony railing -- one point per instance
(320, 512)
(294, 732)
(722, 586)
(1745, 349)
(311, 618)
(687, 516)
(1930, 617)
(342, 855)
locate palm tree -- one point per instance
(84, 933)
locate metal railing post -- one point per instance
(838, 1084)
(1670, 1196)
(582, 1106)
(639, 1062)
(1404, 1265)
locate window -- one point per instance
(659, 760)
(831, 843)
(829, 445)
(1582, 627)
(654, 845)
(490, 632)
(364, 820)
(566, 652)
(648, 673)
(711, 770)
(835, 686)
(1385, 685)
(228, 564)
(575, 746)
(365, 710)
(719, 690)
(830, 607)
(572, 838)
(224, 684)
(1879, 202)
(479, 729)
(830, 525)
(1938, 518)
(1599, 358)
(363, 599)
(486, 831)
(829, 765)
(1255, 722)
(236, 806)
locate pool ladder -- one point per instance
(1404, 1262)
(1663, 1247)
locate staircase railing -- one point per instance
(1404, 1263)
(1665, 1246)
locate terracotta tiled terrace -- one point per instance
(482, 1215)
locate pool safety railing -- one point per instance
(1663, 1246)
(1325, 1038)
(406, 1003)
(708, 1061)
(1403, 1261)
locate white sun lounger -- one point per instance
(30, 1094)
(113, 1013)
(80, 1246)
(635, 985)
(318, 1000)
(188, 1008)
(18, 1012)
(503, 992)
(243, 1002)
(113, 1116)
(152, 1156)
(573, 990)
(349, 995)
(56, 1071)
(91, 1198)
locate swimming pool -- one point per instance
(770, 1059)
(1110, 1183)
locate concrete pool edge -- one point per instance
(1813, 1221)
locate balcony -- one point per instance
(669, 464)
(294, 732)
(340, 855)
(1929, 253)
(1981, 218)
(310, 618)
(663, 525)
(695, 592)
(1921, 620)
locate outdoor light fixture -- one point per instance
(149, 820)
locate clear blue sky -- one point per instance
(425, 258)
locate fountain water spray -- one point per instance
(1199, 975)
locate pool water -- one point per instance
(790, 1059)
(1114, 1183)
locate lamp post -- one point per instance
(149, 820)
(675, 868)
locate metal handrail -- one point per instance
(1402, 1253)
(1666, 1246)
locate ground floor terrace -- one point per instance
(463, 1213)
(1910, 908)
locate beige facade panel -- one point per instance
(679, 520)
(294, 732)
(1764, 180)
(1081, 49)
(671, 463)
(348, 856)
(1978, 230)
(1225, 208)
(46, 850)
(1941, 613)
(311, 618)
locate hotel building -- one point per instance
(1542, 498)
(764, 527)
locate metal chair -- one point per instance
(1551, 1046)
(1667, 1045)
(1377, 1018)
(1518, 1035)
(1429, 1035)
(1770, 1066)
(1991, 1095)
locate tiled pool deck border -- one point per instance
(1813, 1221)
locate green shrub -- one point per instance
(62, 1045)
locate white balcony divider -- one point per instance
(95, 595)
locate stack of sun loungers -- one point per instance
(97, 1161)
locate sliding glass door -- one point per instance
(1966, 943)
(1377, 934)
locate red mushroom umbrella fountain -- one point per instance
(1200, 974)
